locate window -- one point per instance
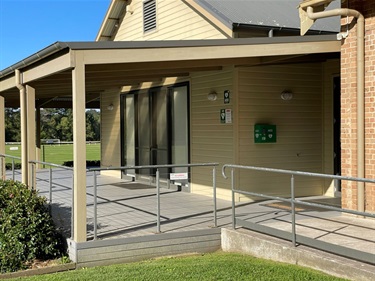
(149, 15)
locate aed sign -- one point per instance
(264, 133)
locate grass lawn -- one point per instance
(56, 153)
(217, 266)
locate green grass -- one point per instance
(56, 153)
(217, 266)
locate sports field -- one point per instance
(56, 153)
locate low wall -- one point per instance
(122, 250)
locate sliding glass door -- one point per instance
(155, 129)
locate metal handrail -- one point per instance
(2, 157)
(51, 164)
(300, 173)
(293, 201)
(33, 180)
(157, 167)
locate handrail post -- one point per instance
(95, 208)
(50, 185)
(13, 169)
(72, 211)
(2, 166)
(233, 201)
(293, 211)
(214, 195)
(158, 200)
(31, 177)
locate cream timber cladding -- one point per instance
(210, 140)
(110, 132)
(298, 122)
(174, 21)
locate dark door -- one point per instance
(337, 129)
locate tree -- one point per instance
(12, 125)
(56, 123)
(92, 125)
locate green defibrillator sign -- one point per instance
(264, 133)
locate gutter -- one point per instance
(360, 92)
(33, 58)
(239, 26)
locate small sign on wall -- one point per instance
(226, 96)
(226, 116)
(178, 176)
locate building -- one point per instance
(172, 92)
(356, 101)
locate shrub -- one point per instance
(8, 166)
(89, 163)
(27, 231)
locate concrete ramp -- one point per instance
(267, 247)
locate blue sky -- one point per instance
(27, 26)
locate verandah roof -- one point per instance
(115, 64)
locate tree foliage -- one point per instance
(56, 123)
(12, 125)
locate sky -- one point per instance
(28, 26)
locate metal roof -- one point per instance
(111, 20)
(266, 13)
(61, 46)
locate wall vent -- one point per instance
(149, 15)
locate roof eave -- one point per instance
(111, 19)
(51, 49)
(59, 46)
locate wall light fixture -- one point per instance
(286, 95)
(212, 96)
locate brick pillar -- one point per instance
(349, 105)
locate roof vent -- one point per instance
(149, 15)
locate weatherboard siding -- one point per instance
(110, 132)
(210, 140)
(299, 126)
(175, 21)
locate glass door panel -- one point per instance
(129, 131)
(180, 126)
(143, 132)
(159, 130)
(180, 132)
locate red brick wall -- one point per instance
(349, 105)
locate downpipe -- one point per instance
(360, 92)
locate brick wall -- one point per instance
(349, 104)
